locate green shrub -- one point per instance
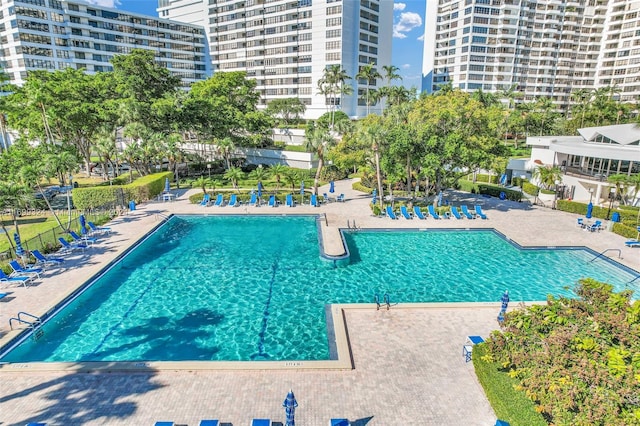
(625, 230)
(531, 189)
(357, 186)
(509, 404)
(495, 191)
(576, 358)
(140, 190)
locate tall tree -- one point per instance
(368, 75)
(318, 140)
(333, 84)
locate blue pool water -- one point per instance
(254, 288)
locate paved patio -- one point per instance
(408, 364)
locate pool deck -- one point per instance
(408, 361)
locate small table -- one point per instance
(167, 196)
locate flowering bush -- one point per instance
(577, 359)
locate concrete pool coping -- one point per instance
(341, 344)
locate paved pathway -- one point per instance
(408, 364)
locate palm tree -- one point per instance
(369, 74)
(634, 181)
(333, 84)
(581, 98)
(31, 175)
(277, 171)
(226, 147)
(234, 174)
(61, 164)
(202, 182)
(374, 136)
(14, 197)
(293, 176)
(619, 181)
(547, 175)
(318, 140)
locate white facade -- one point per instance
(541, 48)
(53, 35)
(285, 45)
(589, 159)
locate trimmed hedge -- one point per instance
(357, 186)
(495, 191)
(141, 190)
(508, 403)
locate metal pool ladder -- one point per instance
(32, 322)
(609, 249)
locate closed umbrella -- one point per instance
(503, 179)
(83, 223)
(332, 187)
(260, 188)
(302, 191)
(167, 186)
(374, 196)
(290, 405)
(589, 210)
(505, 300)
(19, 249)
(440, 199)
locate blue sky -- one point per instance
(408, 29)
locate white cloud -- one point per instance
(406, 66)
(407, 22)
(105, 3)
(399, 6)
(421, 38)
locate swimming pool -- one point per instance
(254, 288)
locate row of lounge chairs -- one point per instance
(25, 275)
(255, 201)
(432, 212)
(254, 422)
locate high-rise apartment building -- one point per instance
(541, 48)
(53, 35)
(285, 45)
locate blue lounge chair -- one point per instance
(455, 212)
(83, 240)
(466, 212)
(314, 200)
(18, 270)
(272, 201)
(326, 198)
(405, 213)
(432, 212)
(261, 422)
(205, 200)
(164, 424)
(501, 423)
(390, 213)
(36, 424)
(632, 243)
(43, 260)
(597, 225)
(339, 422)
(219, 201)
(20, 279)
(233, 201)
(208, 423)
(254, 200)
(67, 247)
(580, 223)
(98, 229)
(289, 201)
(417, 213)
(479, 212)
(340, 198)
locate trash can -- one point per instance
(132, 205)
(615, 217)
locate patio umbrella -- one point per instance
(589, 210)
(19, 249)
(290, 405)
(167, 186)
(332, 188)
(505, 300)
